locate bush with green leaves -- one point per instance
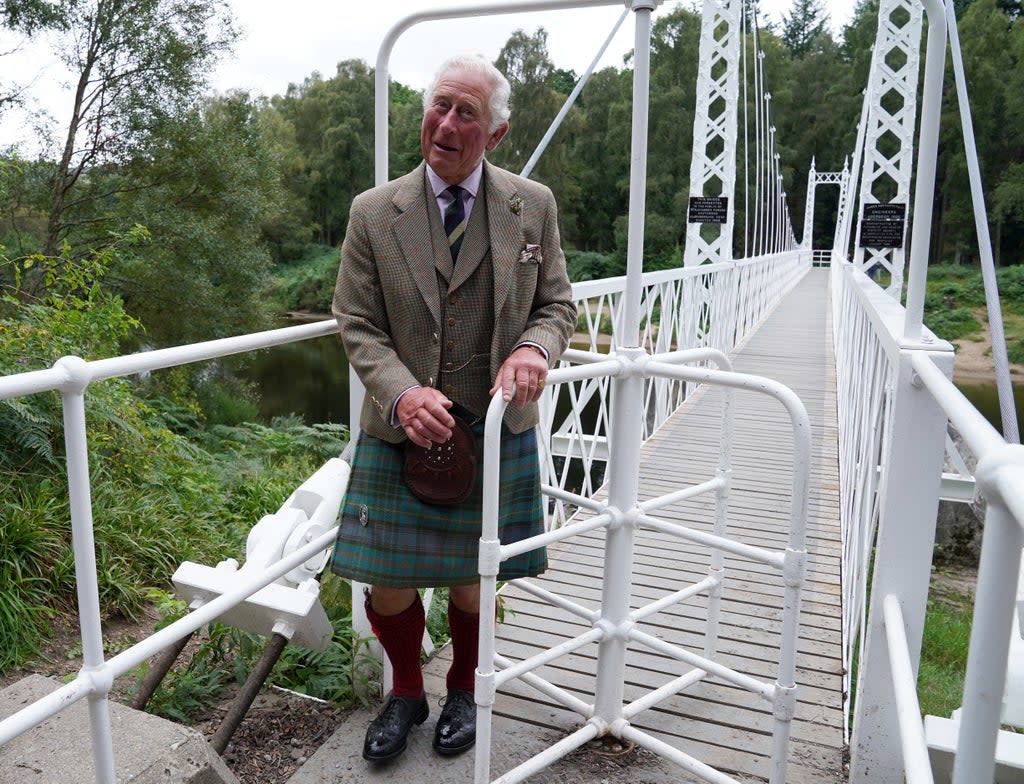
(164, 489)
(308, 283)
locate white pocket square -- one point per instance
(531, 255)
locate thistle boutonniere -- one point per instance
(515, 203)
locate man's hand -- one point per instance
(423, 414)
(522, 375)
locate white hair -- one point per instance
(498, 95)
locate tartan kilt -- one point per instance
(388, 537)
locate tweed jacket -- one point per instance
(387, 300)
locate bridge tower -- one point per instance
(709, 223)
(891, 109)
(814, 179)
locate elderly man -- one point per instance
(452, 287)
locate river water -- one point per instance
(310, 379)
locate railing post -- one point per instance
(911, 472)
(86, 581)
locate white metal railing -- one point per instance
(71, 376)
(711, 306)
(616, 627)
(891, 390)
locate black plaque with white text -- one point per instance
(882, 225)
(708, 209)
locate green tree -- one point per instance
(806, 23)
(600, 160)
(990, 65)
(527, 65)
(333, 121)
(134, 64)
(218, 198)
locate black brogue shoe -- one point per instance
(386, 736)
(456, 729)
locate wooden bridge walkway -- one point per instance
(725, 727)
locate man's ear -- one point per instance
(497, 136)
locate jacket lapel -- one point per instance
(504, 213)
(411, 226)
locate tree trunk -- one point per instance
(63, 178)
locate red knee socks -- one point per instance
(465, 631)
(402, 637)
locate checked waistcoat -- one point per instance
(467, 315)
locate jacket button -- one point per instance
(449, 390)
(451, 322)
(449, 366)
(452, 299)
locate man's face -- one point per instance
(454, 133)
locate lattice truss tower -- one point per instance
(814, 179)
(891, 113)
(713, 165)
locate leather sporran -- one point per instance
(444, 474)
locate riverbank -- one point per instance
(974, 363)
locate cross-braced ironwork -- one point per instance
(891, 101)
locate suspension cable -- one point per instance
(995, 312)
(746, 133)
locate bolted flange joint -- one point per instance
(793, 567)
(784, 704)
(484, 688)
(490, 557)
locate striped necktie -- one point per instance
(455, 219)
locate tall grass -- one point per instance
(946, 638)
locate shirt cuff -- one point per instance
(531, 344)
(393, 421)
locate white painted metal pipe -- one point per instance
(708, 583)
(908, 710)
(559, 601)
(576, 90)
(1004, 388)
(551, 755)
(92, 681)
(382, 74)
(86, 582)
(670, 689)
(549, 655)
(627, 412)
(573, 498)
(760, 688)
(685, 761)
(773, 558)
(558, 535)
(978, 433)
(558, 694)
(927, 156)
(994, 605)
(638, 171)
(711, 485)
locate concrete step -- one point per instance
(147, 749)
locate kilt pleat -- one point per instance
(388, 537)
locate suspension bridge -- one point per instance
(745, 522)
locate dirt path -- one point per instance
(974, 361)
